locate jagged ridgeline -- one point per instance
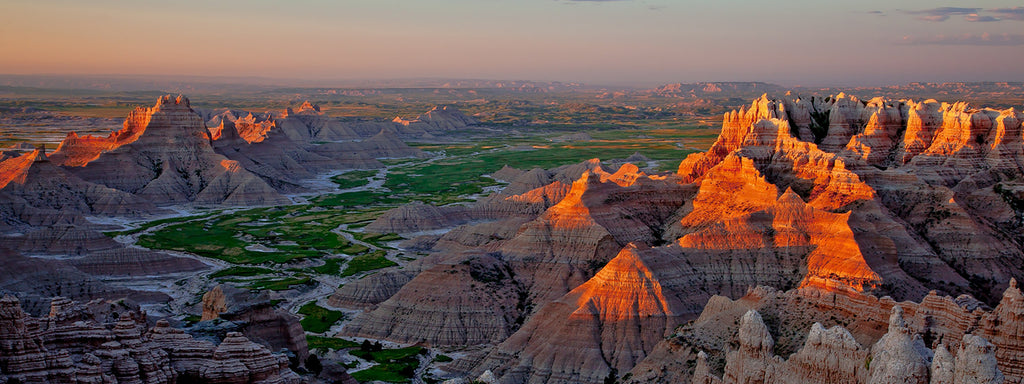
(166, 156)
(579, 274)
(72, 345)
(818, 240)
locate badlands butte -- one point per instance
(818, 240)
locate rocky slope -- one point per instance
(40, 279)
(283, 149)
(436, 121)
(869, 340)
(837, 197)
(164, 154)
(75, 343)
(256, 317)
(168, 154)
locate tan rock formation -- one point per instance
(15, 168)
(754, 361)
(418, 217)
(838, 199)
(1004, 327)
(134, 262)
(214, 303)
(702, 374)
(41, 279)
(370, 290)
(610, 322)
(257, 317)
(164, 154)
(900, 356)
(308, 124)
(65, 349)
(836, 355)
(437, 120)
(466, 301)
(976, 362)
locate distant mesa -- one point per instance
(437, 120)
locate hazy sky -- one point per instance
(604, 42)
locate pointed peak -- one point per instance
(166, 100)
(790, 197)
(627, 260)
(1012, 293)
(309, 107)
(754, 333)
(584, 178)
(896, 321)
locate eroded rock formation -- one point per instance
(71, 345)
(872, 340)
(839, 199)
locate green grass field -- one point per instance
(289, 233)
(242, 271)
(353, 179)
(368, 262)
(279, 284)
(332, 343)
(318, 319)
(393, 365)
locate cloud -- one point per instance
(1015, 13)
(943, 13)
(974, 17)
(984, 39)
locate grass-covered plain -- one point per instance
(285, 234)
(241, 271)
(279, 283)
(318, 319)
(353, 179)
(332, 343)
(367, 262)
(393, 365)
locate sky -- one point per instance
(828, 43)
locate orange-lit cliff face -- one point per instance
(164, 154)
(919, 169)
(15, 168)
(75, 151)
(833, 196)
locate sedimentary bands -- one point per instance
(818, 240)
(581, 273)
(73, 345)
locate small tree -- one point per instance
(613, 377)
(313, 364)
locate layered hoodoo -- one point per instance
(840, 198)
(873, 340)
(74, 345)
(164, 154)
